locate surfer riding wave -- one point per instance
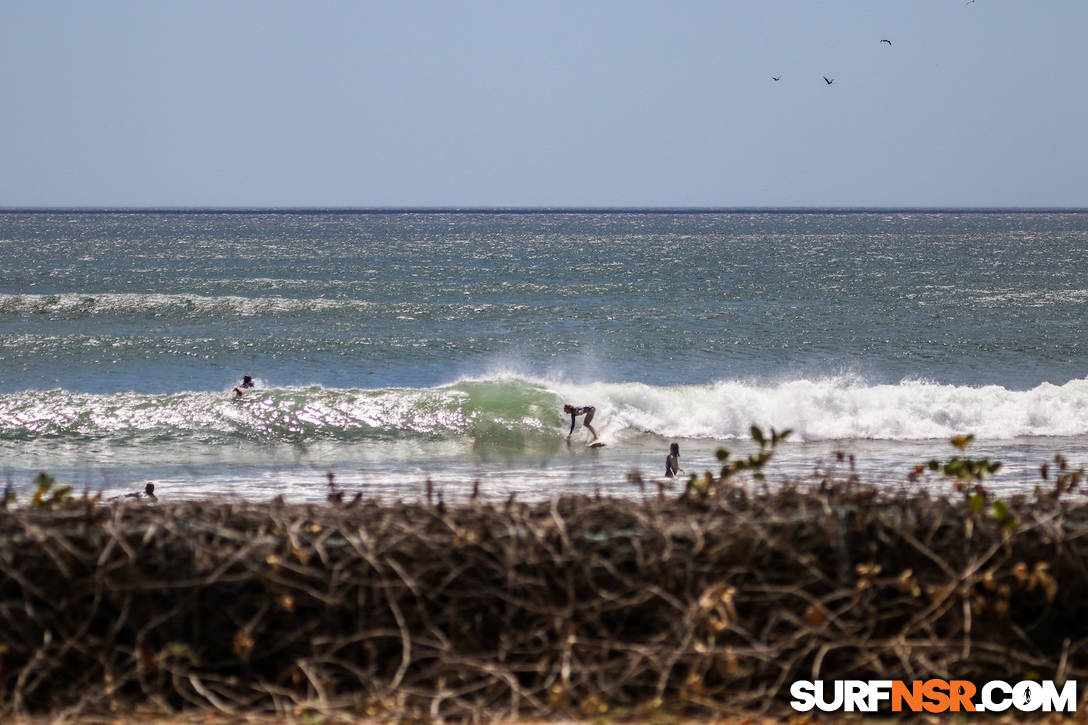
(587, 411)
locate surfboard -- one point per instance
(597, 443)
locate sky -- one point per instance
(586, 103)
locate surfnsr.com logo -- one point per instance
(932, 696)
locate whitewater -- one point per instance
(518, 413)
(395, 348)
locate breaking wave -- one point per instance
(520, 411)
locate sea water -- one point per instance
(393, 347)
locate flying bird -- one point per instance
(776, 78)
(828, 81)
(885, 40)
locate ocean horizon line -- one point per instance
(376, 210)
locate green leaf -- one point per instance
(954, 468)
(976, 502)
(180, 649)
(757, 435)
(962, 442)
(43, 482)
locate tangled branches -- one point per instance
(577, 605)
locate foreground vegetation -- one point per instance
(708, 601)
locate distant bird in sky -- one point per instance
(776, 78)
(828, 81)
(886, 41)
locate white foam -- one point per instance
(823, 409)
(838, 409)
(162, 304)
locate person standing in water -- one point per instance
(672, 461)
(587, 411)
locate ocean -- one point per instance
(395, 347)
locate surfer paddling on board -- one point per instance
(247, 382)
(587, 411)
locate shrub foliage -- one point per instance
(695, 604)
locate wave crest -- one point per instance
(512, 411)
(76, 306)
(843, 409)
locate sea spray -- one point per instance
(841, 408)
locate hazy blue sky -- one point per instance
(507, 103)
